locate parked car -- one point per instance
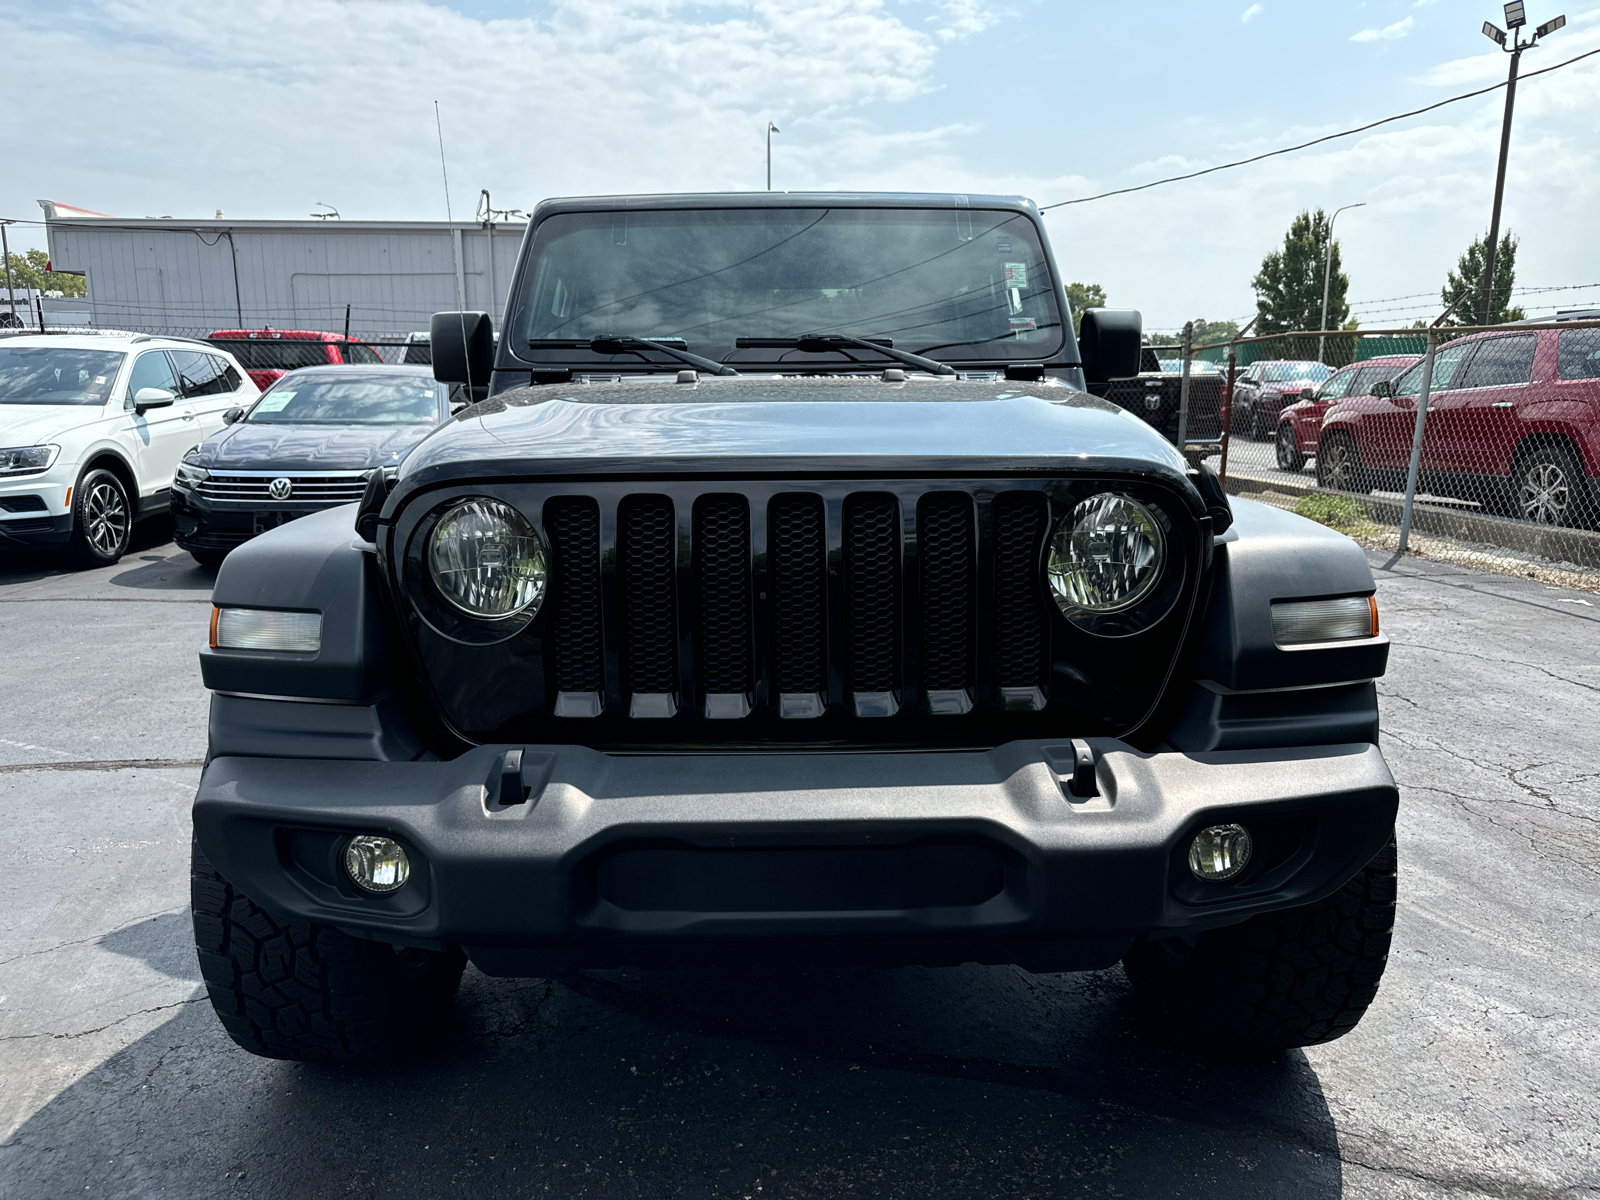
(1513, 421)
(1264, 387)
(270, 353)
(92, 427)
(769, 638)
(1300, 424)
(1155, 395)
(308, 443)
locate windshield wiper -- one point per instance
(819, 343)
(618, 344)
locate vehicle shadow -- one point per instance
(975, 1081)
(170, 571)
(26, 564)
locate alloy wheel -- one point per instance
(1544, 494)
(105, 514)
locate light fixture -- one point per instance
(265, 629)
(1550, 26)
(1494, 33)
(1219, 852)
(1516, 15)
(487, 561)
(1310, 622)
(1105, 557)
(376, 864)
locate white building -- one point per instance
(161, 274)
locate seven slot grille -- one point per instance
(724, 605)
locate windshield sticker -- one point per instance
(99, 379)
(1023, 325)
(1016, 275)
(276, 402)
(1003, 246)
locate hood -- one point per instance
(31, 424)
(309, 447)
(803, 424)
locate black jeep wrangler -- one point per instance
(785, 597)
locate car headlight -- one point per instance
(1105, 557)
(27, 460)
(189, 475)
(487, 561)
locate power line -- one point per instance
(1243, 162)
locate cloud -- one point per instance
(1250, 14)
(1388, 33)
(963, 18)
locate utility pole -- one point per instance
(1327, 276)
(5, 252)
(771, 129)
(1516, 19)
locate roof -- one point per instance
(688, 200)
(105, 339)
(364, 369)
(273, 335)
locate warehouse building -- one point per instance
(164, 275)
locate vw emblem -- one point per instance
(280, 489)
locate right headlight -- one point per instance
(487, 560)
(1106, 557)
(27, 460)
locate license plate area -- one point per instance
(264, 521)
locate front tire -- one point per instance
(102, 519)
(1289, 456)
(1548, 486)
(296, 990)
(1339, 465)
(1294, 977)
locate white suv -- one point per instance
(92, 427)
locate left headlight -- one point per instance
(189, 475)
(1106, 557)
(487, 560)
(27, 460)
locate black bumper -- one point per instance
(882, 857)
(197, 525)
(36, 531)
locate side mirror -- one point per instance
(147, 398)
(1383, 388)
(1109, 343)
(232, 415)
(1308, 393)
(463, 347)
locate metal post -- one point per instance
(1327, 276)
(1227, 409)
(771, 129)
(1183, 388)
(346, 350)
(5, 251)
(1499, 188)
(1416, 446)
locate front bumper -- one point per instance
(884, 857)
(199, 525)
(33, 508)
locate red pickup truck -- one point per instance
(1513, 421)
(267, 355)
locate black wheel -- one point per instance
(1548, 487)
(211, 559)
(1289, 456)
(292, 989)
(1258, 424)
(102, 519)
(1339, 465)
(1290, 978)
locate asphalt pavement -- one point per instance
(1476, 1073)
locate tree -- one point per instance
(1468, 277)
(31, 269)
(1084, 295)
(1289, 284)
(1206, 333)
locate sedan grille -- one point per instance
(322, 489)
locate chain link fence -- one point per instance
(1480, 444)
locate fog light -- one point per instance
(376, 864)
(1219, 852)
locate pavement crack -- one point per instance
(22, 1037)
(93, 937)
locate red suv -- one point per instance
(1513, 421)
(267, 355)
(1300, 425)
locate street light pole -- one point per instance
(5, 252)
(1327, 275)
(1516, 20)
(771, 129)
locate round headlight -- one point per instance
(1105, 557)
(487, 560)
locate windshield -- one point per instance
(954, 283)
(1289, 372)
(275, 355)
(332, 401)
(56, 375)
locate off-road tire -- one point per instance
(292, 989)
(1290, 978)
(1339, 465)
(1288, 446)
(102, 519)
(1548, 486)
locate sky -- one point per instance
(265, 111)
